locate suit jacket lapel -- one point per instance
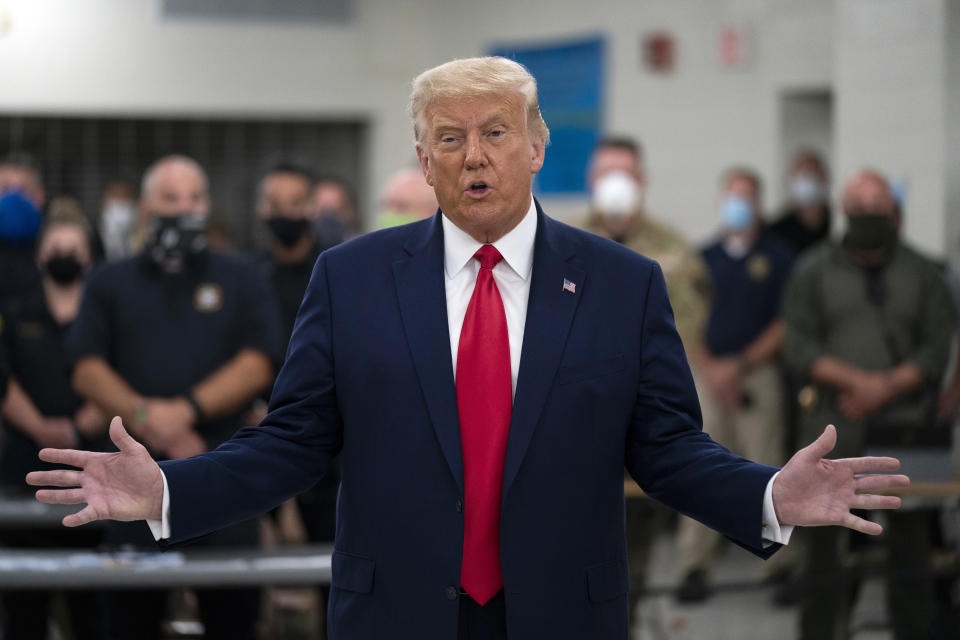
(550, 311)
(423, 305)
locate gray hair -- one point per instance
(472, 78)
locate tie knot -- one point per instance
(488, 256)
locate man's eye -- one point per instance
(496, 133)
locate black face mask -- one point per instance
(174, 242)
(287, 230)
(63, 268)
(868, 231)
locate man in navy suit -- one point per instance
(484, 376)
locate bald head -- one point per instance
(868, 191)
(408, 193)
(174, 185)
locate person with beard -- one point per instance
(869, 322)
(178, 340)
(41, 409)
(806, 218)
(617, 178)
(22, 198)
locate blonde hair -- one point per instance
(473, 78)
(65, 211)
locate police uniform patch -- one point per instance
(30, 330)
(758, 266)
(208, 298)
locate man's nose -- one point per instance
(475, 157)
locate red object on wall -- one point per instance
(659, 52)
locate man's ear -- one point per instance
(536, 158)
(424, 161)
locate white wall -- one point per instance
(891, 103)
(119, 56)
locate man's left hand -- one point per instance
(813, 491)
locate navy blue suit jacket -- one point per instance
(603, 384)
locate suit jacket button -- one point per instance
(452, 592)
(459, 506)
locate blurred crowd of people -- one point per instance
(148, 312)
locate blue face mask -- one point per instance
(19, 219)
(737, 213)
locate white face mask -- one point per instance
(116, 227)
(806, 190)
(616, 194)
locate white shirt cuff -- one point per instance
(161, 528)
(773, 531)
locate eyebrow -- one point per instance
(440, 124)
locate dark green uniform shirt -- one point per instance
(872, 318)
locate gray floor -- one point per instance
(741, 607)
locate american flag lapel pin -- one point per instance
(569, 286)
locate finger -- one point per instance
(61, 496)
(85, 515)
(58, 478)
(71, 457)
(863, 526)
(871, 501)
(823, 445)
(869, 464)
(880, 482)
(120, 437)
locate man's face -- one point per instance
(284, 195)
(480, 161)
(607, 159)
(743, 188)
(176, 188)
(22, 179)
(866, 195)
(409, 194)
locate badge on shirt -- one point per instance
(208, 298)
(30, 330)
(758, 266)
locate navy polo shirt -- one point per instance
(164, 333)
(746, 292)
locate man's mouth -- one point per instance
(478, 189)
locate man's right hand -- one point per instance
(125, 486)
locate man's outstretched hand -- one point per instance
(126, 485)
(814, 491)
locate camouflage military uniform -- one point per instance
(688, 283)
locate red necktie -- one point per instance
(484, 403)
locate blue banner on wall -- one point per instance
(570, 84)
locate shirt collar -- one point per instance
(516, 247)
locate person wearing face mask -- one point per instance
(806, 218)
(406, 198)
(118, 220)
(333, 212)
(869, 322)
(22, 198)
(41, 409)
(283, 204)
(617, 180)
(741, 394)
(178, 340)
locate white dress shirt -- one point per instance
(512, 276)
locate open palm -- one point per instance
(126, 485)
(814, 491)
